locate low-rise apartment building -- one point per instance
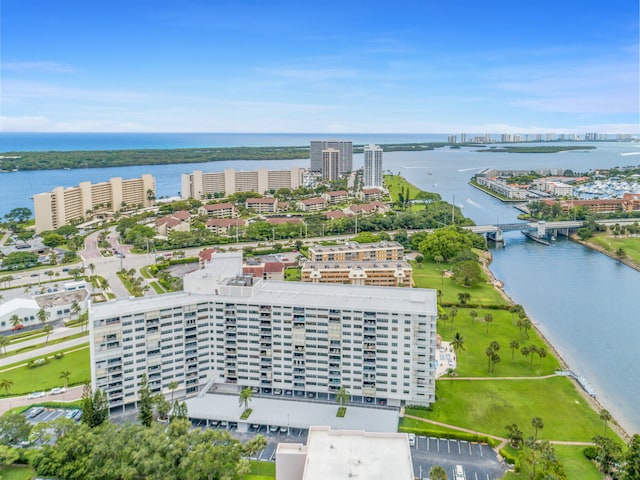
(396, 273)
(224, 226)
(354, 251)
(338, 196)
(228, 328)
(262, 205)
(311, 204)
(219, 210)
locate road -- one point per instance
(40, 352)
(71, 395)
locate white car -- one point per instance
(412, 440)
(57, 390)
(36, 395)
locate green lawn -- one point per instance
(46, 377)
(487, 406)
(574, 463)
(611, 243)
(261, 471)
(428, 274)
(473, 361)
(16, 473)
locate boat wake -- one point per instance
(471, 202)
(626, 154)
(472, 168)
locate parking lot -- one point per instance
(479, 461)
(273, 435)
(38, 414)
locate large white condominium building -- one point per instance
(343, 146)
(308, 339)
(372, 166)
(201, 185)
(63, 206)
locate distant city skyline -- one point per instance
(418, 67)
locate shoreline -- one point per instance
(594, 403)
(598, 248)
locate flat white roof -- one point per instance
(292, 413)
(14, 304)
(272, 292)
(345, 454)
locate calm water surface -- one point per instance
(584, 302)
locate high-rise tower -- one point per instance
(372, 166)
(343, 146)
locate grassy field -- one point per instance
(46, 377)
(16, 473)
(261, 471)
(487, 406)
(611, 243)
(395, 184)
(429, 274)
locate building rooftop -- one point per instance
(349, 454)
(355, 246)
(61, 298)
(292, 413)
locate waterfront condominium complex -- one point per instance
(227, 328)
(372, 166)
(201, 185)
(63, 206)
(344, 147)
(330, 164)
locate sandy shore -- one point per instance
(485, 260)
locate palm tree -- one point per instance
(457, 343)
(452, 314)
(65, 375)
(527, 324)
(173, 386)
(92, 268)
(604, 415)
(342, 396)
(488, 318)
(6, 384)
(513, 345)
(43, 315)
(464, 297)
(104, 285)
(15, 321)
(4, 341)
(75, 308)
(542, 352)
(245, 397)
(537, 424)
(473, 314)
(437, 473)
(47, 329)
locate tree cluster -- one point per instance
(129, 451)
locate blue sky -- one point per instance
(343, 67)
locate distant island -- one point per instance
(57, 160)
(537, 149)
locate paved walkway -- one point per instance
(542, 377)
(503, 441)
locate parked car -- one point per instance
(459, 472)
(57, 390)
(36, 395)
(412, 440)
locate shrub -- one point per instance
(590, 453)
(341, 412)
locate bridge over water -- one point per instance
(542, 229)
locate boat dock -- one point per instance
(580, 379)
